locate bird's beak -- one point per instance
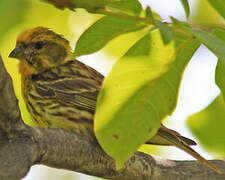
(16, 53)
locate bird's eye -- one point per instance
(38, 45)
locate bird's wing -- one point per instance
(73, 84)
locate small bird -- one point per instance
(62, 93)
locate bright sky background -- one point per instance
(197, 90)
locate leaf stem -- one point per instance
(104, 11)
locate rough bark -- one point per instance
(22, 146)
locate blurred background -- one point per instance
(197, 90)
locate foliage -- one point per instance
(219, 6)
(213, 116)
(142, 88)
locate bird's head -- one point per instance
(39, 49)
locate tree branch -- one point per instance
(22, 146)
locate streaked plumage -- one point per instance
(64, 97)
(62, 93)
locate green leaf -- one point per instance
(219, 6)
(165, 31)
(130, 6)
(180, 24)
(186, 7)
(212, 117)
(215, 44)
(14, 11)
(220, 76)
(151, 15)
(208, 126)
(101, 32)
(220, 33)
(220, 68)
(139, 92)
(140, 48)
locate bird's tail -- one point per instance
(183, 143)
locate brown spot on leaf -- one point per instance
(116, 136)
